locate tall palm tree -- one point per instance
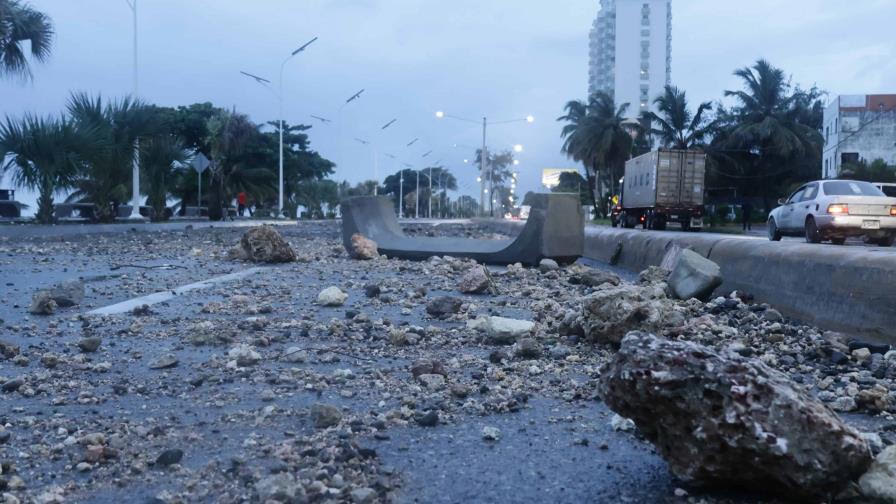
(231, 136)
(771, 125)
(20, 23)
(675, 125)
(160, 158)
(117, 125)
(598, 135)
(42, 155)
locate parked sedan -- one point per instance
(834, 210)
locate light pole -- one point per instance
(483, 154)
(135, 169)
(279, 94)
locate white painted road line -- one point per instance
(158, 297)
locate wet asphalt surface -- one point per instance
(553, 447)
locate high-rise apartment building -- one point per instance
(631, 51)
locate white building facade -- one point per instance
(856, 128)
(630, 52)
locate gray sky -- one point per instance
(500, 58)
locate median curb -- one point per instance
(846, 289)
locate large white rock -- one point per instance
(694, 276)
(505, 331)
(331, 296)
(880, 480)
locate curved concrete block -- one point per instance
(555, 229)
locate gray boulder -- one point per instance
(694, 276)
(729, 420)
(42, 303)
(610, 313)
(69, 293)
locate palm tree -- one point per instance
(675, 125)
(160, 158)
(771, 125)
(598, 135)
(231, 136)
(19, 23)
(42, 155)
(117, 125)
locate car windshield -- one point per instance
(851, 188)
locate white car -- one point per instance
(834, 210)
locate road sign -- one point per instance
(200, 162)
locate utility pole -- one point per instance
(417, 198)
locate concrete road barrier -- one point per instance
(849, 289)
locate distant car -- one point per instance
(834, 210)
(888, 188)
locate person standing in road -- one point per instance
(747, 214)
(241, 200)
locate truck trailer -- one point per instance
(664, 186)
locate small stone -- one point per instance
(491, 433)
(12, 385)
(49, 360)
(90, 345)
(245, 355)
(432, 381)
(164, 362)
(428, 419)
(474, 281)
(325, 415)
(5, 435)
(546, 265)
(620, 423)
(680, 493)
(83, 467)
(8, 350)
(460, 391)
(42, 304)
(560, 352)
(331, 296)
(363, 248)
(861, 354)
(528, 348)
(772, 315)
(364, 495)
(372, 290)
(295, 355)
(443, 307)
(280, 487)
(169, 457)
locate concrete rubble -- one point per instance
(727, 419)
(397, 385)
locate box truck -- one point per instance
(664, 186)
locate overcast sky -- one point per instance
(500, 58)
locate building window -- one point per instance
(645, 33)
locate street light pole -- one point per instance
(135, 169)
(279, 94)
